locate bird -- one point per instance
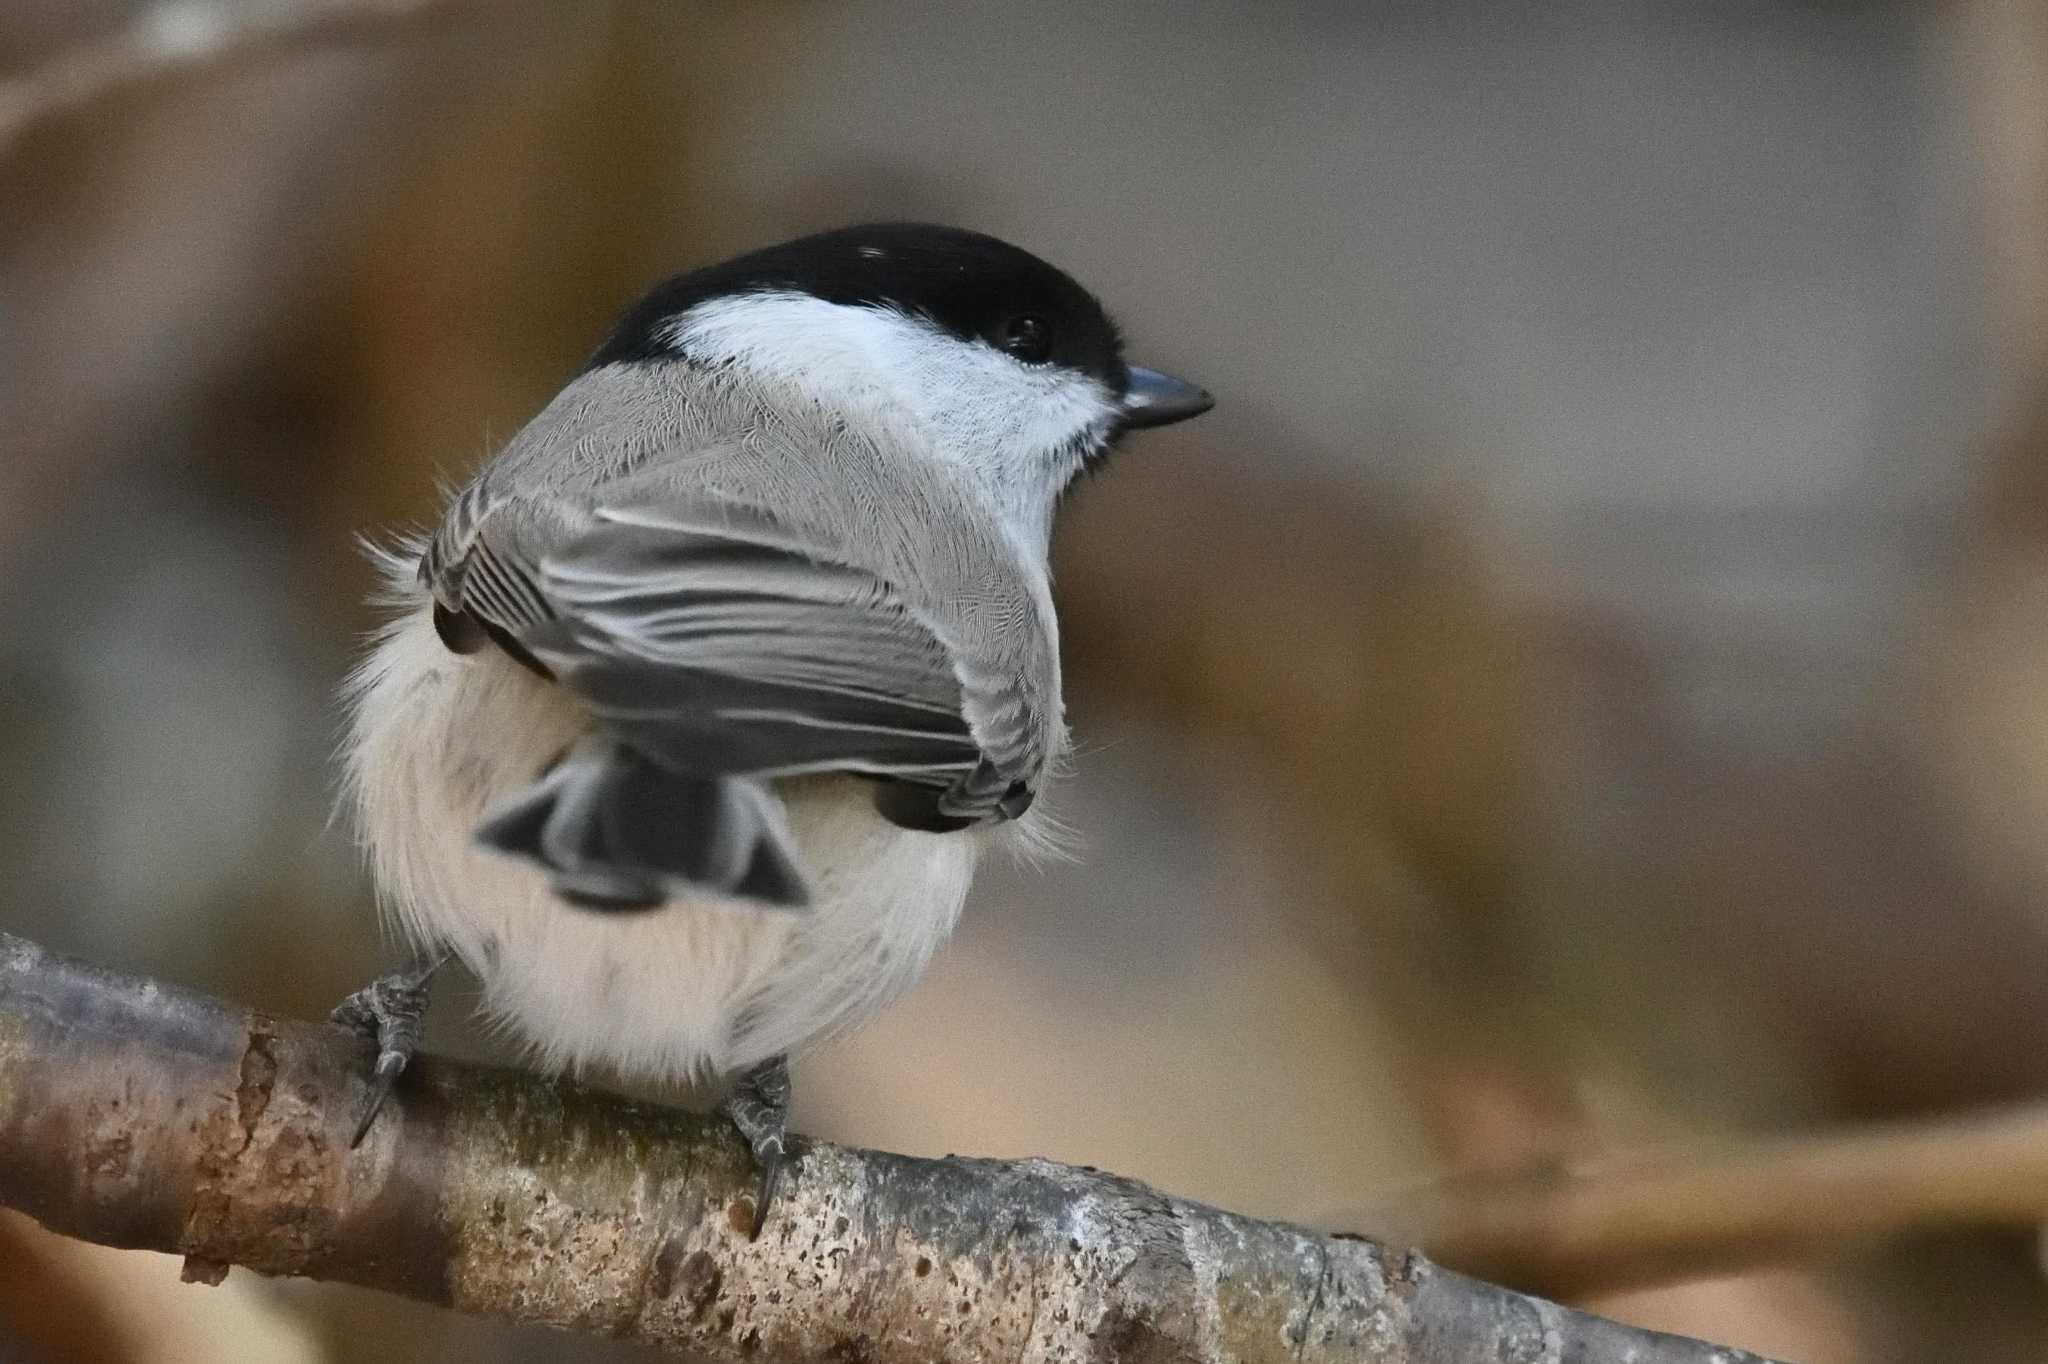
(693, 715)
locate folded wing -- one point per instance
(718, 646)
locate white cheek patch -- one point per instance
(1022, 430)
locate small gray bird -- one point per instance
(712, 686)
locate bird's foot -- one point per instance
(391, 1011)
(759, 1106)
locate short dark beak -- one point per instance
(1156, 399)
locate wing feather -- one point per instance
(880, 619)
(719, 642)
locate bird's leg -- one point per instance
(390, 1010)
(759, 1106)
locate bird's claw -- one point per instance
(390, 1065)
(391, 1011)
(769, 1155)
(759, 1107)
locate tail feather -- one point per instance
(617, 832)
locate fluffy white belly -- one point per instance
(695, 987)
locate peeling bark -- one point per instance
(139, 1114)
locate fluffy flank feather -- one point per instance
(1044, 836)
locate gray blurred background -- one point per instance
(1585, 685)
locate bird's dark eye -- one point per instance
(1028, 338)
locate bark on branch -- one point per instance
(139, 1114)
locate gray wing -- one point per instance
(717, 641)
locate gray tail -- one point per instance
(618, 832)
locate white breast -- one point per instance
(693, 988)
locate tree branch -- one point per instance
(1625, 1222)
(169, 41)
(139, 1114)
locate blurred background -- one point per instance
(1584, 687)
